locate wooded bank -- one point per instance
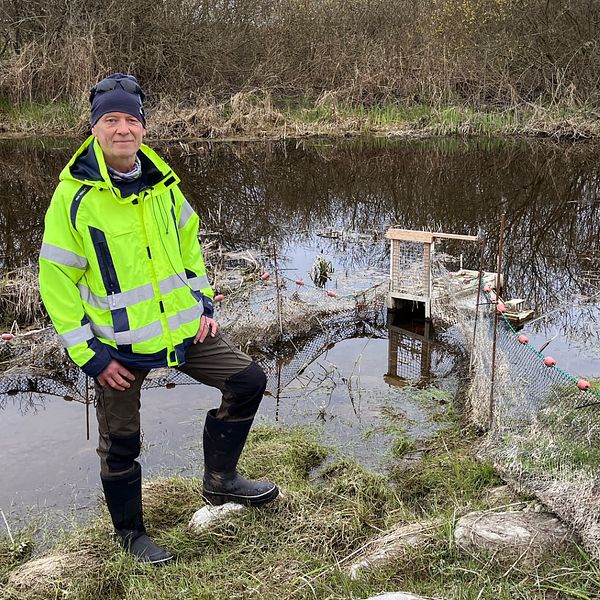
(488, 55)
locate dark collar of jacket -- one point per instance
(88, 167)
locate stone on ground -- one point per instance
(208, 515)
(385, 549)
(51, 572)
(512, 534)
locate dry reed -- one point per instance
(480, 53)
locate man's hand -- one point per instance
(115, 376)
(206, 325)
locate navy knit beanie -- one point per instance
(117, 93)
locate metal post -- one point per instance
(278, 291)
(498, 279)
(477, 305)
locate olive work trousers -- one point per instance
(215, 362)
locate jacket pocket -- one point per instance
(105, 261)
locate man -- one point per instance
(123, 280)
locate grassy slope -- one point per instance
(298, 547)
(260, 115)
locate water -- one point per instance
(293, 194)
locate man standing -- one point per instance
(123, 280)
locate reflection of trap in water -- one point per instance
(414, 356)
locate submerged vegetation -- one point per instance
(248, 67)
(303, 545)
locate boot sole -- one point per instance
(217, 499)
(162, 562)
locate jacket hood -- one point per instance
(87, 166)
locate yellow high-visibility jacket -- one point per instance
(120, 277)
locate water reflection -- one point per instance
(289, 360)
(409, 353)
(24, 403)
(416, 357)
(287, 191)
(28, 175)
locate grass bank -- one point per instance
(302, 545)
(255, 114)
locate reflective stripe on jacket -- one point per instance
(121, 277)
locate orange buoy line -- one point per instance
(582, 384)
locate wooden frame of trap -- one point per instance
(411, 268)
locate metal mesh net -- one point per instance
(543, 431)
(409, 268)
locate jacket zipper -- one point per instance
(145, 197)
(106, 261)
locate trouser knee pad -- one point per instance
(247, 388)
(122, 452)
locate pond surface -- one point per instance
(297, 197)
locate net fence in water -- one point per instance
(283, 334)
(542, 429)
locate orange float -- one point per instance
(584, 384)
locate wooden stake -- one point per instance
(278, 292)
(87, 408)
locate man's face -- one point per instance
(120, 136)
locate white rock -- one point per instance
(208, 515)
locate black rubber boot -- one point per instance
(223, 444)
(124, 500)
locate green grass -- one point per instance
(402, 445)
(331, 115)
(39, 117)
(564, 438)
(448, 476)
(298, 547)
(445, 120)
(390, 116)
